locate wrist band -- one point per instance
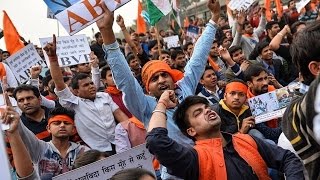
(159, 111)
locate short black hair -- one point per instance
(88, 157)
(76, 78)
(46, 80)
(26, 87)
(270, 24)
(233, 49)
(180, 115)
(6, 52)
(176, 53)
(130, 57)
(131, 174)
(62, 111)
(238, 80)
(294, 26)
(305, 49)
(103, 72)
(253, 71)
(261, 45)
(207, 68)
(96, 35)
(185, 47)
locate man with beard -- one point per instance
(96, 109)
(216, 155)
(258, 79)
(157, 75)
(179, 60)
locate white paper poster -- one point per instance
(271, 105)
(21, 62)
(172, 41)
(71, 50)
(138, 157)
(301, 4)
(240, 4)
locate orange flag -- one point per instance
(141, 25)
(267, 5)
(11, 35)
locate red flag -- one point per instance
(141, 25)
(11, 35)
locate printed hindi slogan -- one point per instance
(21, 62)
(71, 50)
(138, 157)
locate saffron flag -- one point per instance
(141, 25)
(11, 35)
(157, 9)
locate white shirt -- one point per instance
(94, 119)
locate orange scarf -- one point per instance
(138, 123)
(2, 71)
(112, 90)
(213, 64)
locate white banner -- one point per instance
(172, 41)
(240, 5)
(21, 62)
(5, 169)
(85, 12)
(71, 50)
(138, 157)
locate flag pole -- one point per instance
(158, 41)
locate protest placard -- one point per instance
(271, 105)
(78, 14)
(172, 41)
(193, 32)
(138, 157)
(71, 50)
(240, 5)
(301, 4)
(21, 61)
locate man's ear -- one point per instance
(314, 67)
(48, 129)
(191, 132)
(76, 92)
(249, 83)
(201, 81)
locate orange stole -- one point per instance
(211, 159)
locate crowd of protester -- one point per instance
(187, 103)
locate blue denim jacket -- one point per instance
(141, 105)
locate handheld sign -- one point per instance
(71, 50)
(172, 41)
(138, 157)
(21, 61)
(271, 105)
(301, 4)
(78, 14)
(240, 5)
(193, 32)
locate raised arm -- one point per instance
(179, 160)
(95, 73)
(55, 70)
(241, 17)
(21, 157)
(276, 41)
(262, 23)
(134, 97)
(195, 67)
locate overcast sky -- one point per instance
(30, 19)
